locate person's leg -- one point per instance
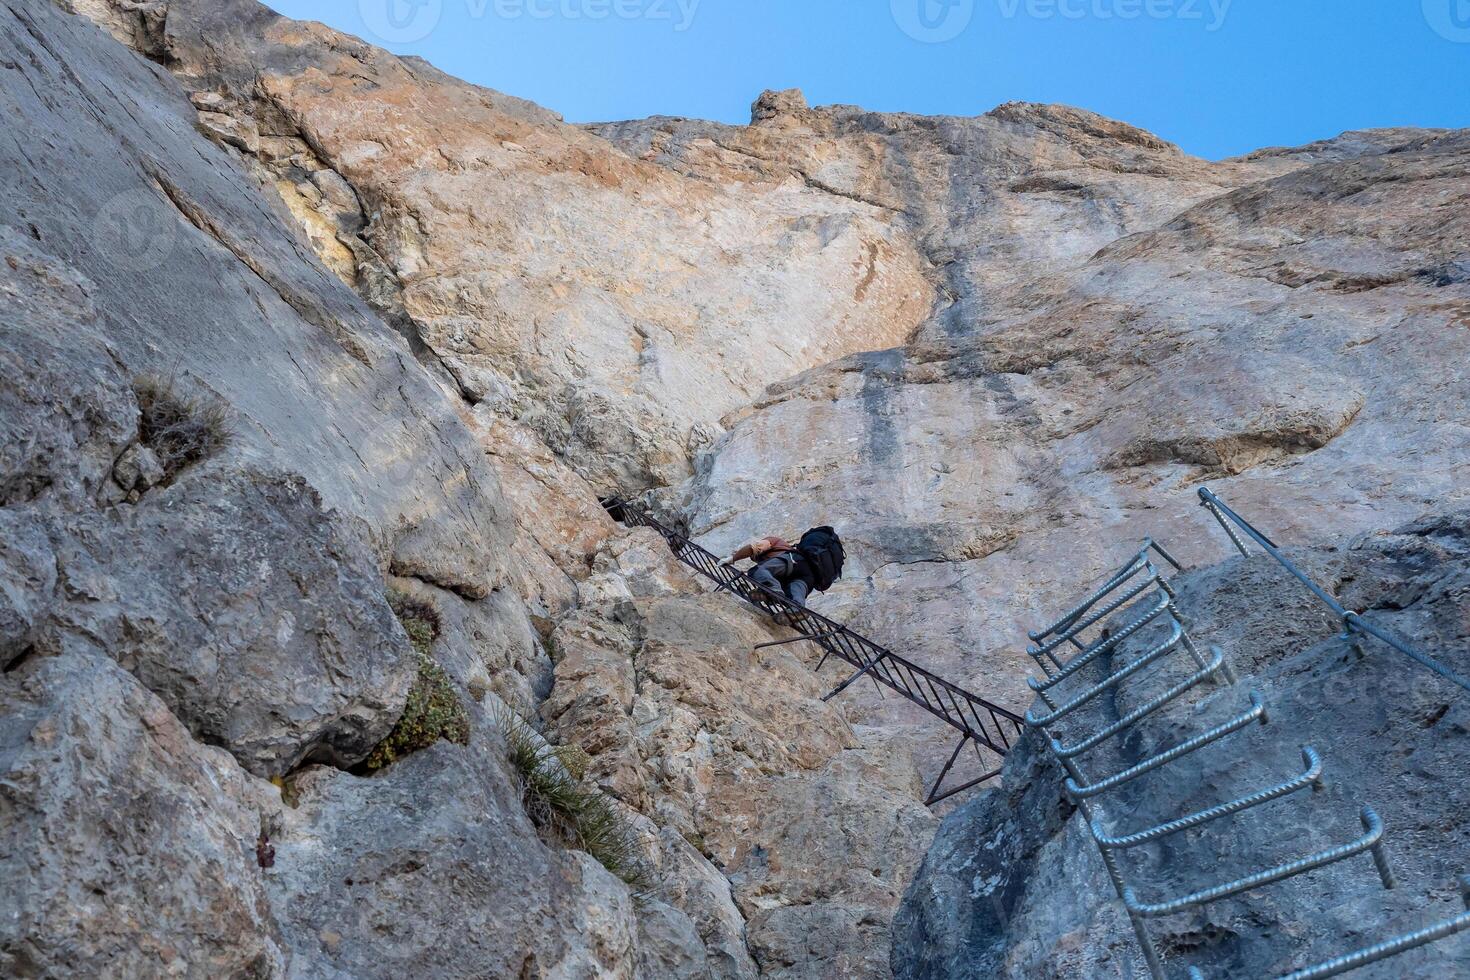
(798, 589)
(765, 574)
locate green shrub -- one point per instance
(420, 620)
(433, 709)
(567, 811)
(179, 429)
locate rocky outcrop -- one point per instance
(616, 308)
(992, 201)
(258, 618)
(407, 331)
(1014, 887)
(816, 826)
(158, 206)
(129, 847)
(242, 582)
(434, 868)
(560, 524)
(216, 459)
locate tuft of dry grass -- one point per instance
(420, 620)
(568, 811)
(180, 429)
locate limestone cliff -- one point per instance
(227, 472)
(319, 361)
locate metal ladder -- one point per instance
(1140, 600)
(980, 723)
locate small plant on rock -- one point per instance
(566, 810)
(433, 709)
(181, 430)
(420, 620)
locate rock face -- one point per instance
(991, 201)
(817, 827)
(289, 324)
(260, 621)
(617, 308)
(110, 813)
(979, 474)
(215, 457)
(370, 869)
(217, 574)
(1014, 887)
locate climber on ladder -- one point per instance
(795, 572)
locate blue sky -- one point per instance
(1218, 77)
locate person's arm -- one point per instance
(759, 545)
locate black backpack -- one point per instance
(822, 549)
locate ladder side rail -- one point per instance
(1352, 621)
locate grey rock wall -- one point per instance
(1014, 886)
(128, 847)
(992, 350)
(173, 639)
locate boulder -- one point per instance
(258, 617)
(432, 867)
(128, 848)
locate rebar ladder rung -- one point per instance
(1107, 610)
(1390, 947)
(1176, 633)
(1212, 669)
(1081, 618)
(1137, 564)
(1257, 711)
(1370, 841)
(1312, 776)
(1098, 647)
